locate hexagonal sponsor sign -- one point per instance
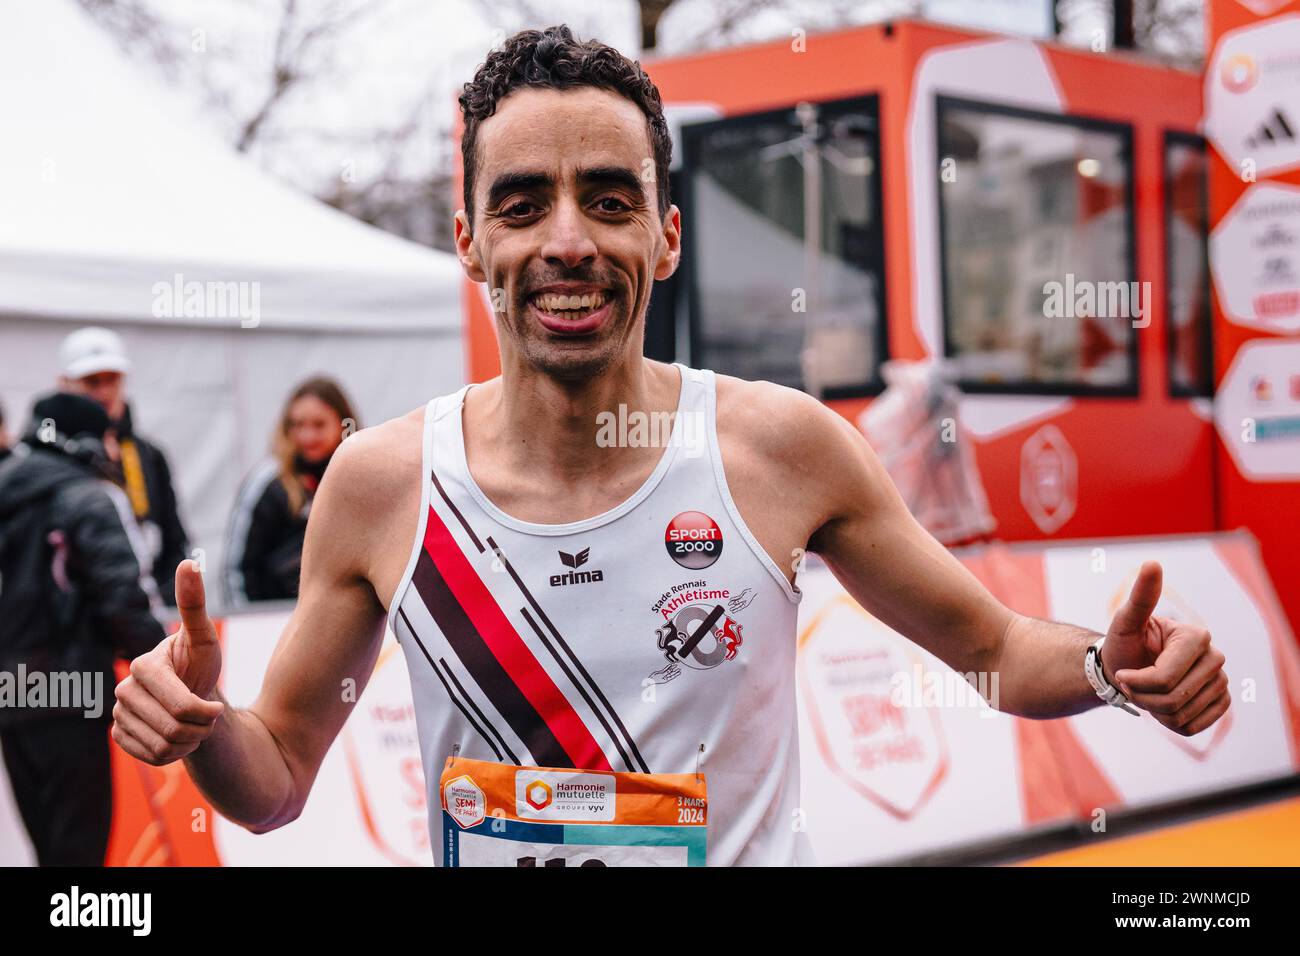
(1257, 410)
(1049, 478)
(464, 800)
(1252, 96)
(871, 729)
(1255, 258)
(380, 747)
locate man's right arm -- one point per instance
(256, 765)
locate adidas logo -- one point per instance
(1273, 130)
(575, 576)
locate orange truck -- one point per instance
(1034, 216)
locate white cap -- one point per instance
(91, 350)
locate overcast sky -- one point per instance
(402, 61)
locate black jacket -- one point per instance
(264, 552)
(72, 596)
(161, 522)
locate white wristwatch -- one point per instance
(1096, 677)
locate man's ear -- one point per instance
(671, 256)
(465, 250)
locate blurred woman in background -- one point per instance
(264, 551)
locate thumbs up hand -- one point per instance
(1163, 666)
(163, 709)
(195, 653)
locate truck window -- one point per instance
(785, 246)
(1036, 226)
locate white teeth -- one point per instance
(550, 302)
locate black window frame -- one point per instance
(1180, 137)
(1127, 389)
(692, 134)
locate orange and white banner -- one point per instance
(901, 755)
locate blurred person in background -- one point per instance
(5, 441)
(264, 552)
(95, 364)
(75, 591)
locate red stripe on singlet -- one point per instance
(509, 649)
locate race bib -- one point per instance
(501, 815)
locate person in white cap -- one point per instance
(93, 362)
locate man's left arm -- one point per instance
(897, 570)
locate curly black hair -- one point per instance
(554, 59)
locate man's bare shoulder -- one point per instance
(781, 441)
(379, 463)
(778, 424)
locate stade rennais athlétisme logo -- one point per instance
(699, 628)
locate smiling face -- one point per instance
(314, 428)
(566, 231)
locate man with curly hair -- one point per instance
(599, 619)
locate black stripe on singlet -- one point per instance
(595, 688)
(578, 684)
(450, 693)
(482, 665)
(456, 511)
(504, 746)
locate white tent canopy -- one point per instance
(108, 188)
(109, 191)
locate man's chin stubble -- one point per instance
(580, 360)
(568, 365)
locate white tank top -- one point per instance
(561, 645)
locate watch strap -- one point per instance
(1092, 670)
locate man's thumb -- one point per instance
(1131, 619)
(190, 601)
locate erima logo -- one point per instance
(574, 560)
(575, 577)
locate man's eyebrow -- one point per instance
(612, 176)
(510, 182)
(507, 183)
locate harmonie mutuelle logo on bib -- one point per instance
(564, 796)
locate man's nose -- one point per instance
(568, 236)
